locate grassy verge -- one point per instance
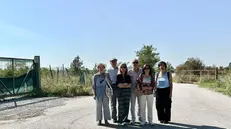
(65, 87)
(222, 85)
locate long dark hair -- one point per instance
(123, 65)
(150, 69)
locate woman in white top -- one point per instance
(163, 93)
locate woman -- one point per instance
(99, 84)
(145, 87)
(163, 93)
(124, 94)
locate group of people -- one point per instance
(128, 86)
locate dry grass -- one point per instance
(223, 84)
(65, 86)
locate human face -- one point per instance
(162, 67)
(135, 64)
(146, 70)
(113, 63)
(123, 69)
(101, 68)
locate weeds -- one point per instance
(65, 87)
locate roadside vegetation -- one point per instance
(195, 71)
(75, 79)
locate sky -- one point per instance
(98, 30)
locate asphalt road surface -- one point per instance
(193, 107)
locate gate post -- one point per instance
(37, 75)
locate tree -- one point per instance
(95, 69)
(20, 68)
(148, 55)
(76, 66)
(170, 68)
(194, 64)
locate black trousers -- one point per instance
(124, 101)
(163, 104)
(114, 99)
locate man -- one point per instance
(113, 71)
(134, 73)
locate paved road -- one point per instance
(193, 107)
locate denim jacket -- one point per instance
(99, 84)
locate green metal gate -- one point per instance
(19, 76)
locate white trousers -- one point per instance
(146, 99)
(134, 97)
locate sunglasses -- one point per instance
(135, 62)
(146, 68)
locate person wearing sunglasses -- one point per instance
(146, 86)
(134, 73)
(124, 94)
(99, 84)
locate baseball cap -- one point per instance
(134, 61)
(113, 59)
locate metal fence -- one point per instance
(19, 76)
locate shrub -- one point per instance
(65, 86)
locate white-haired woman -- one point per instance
(99, 86)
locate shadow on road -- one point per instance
(25, 104)
(172, 125)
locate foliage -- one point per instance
(19, 69)
(65, 87)
(223, 84)
(148, 55)
(76, 66)
(170, 68)
(191, 64)
(95, 69)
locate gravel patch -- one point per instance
(28, 107)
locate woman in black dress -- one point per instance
(124, 94)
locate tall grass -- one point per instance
(65, 86)
(223, 84)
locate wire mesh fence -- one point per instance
(16, 76)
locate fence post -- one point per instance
(13, 72)
(216, 73)
(200, 76)
(37, 75)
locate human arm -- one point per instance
(128, 82)
(119, 82)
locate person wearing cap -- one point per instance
(163, 90)
(134, 74)
(113, 71)
(99, 84)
